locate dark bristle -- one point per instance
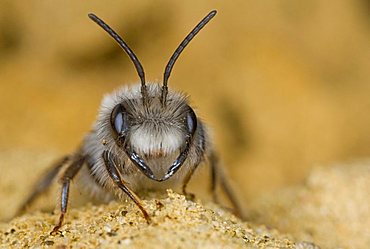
(126, 48)
(180, 48)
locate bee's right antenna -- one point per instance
(178, 51)
(130, 53)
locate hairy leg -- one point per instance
(111, 167)
(69, 174)
(186, 181)
(200, 144)
(43, 183)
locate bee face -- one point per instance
(151, 129)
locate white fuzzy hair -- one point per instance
(145, 139)
(142, 138)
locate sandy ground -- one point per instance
(176, 223)
(331, 209)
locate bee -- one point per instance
(145, 137)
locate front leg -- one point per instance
(68, 175)
(200, 144)
(115, 176)
(43, 184)
(185, 182)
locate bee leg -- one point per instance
(185, 182)
(111, 167)
(218, 175)
(43, 184)
(213, 159)
(66, 178)
(200, 144)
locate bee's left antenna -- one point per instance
(179, 49)
(127, 49)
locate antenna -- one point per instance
(130, 53)
(180, 48)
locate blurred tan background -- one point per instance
(284, 85)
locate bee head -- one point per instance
(153, 121)
(150, 128)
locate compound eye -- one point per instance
(191, 121)
(119, 120)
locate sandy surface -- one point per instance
(176, 223)
(332, 208)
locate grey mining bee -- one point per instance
(145, 137)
